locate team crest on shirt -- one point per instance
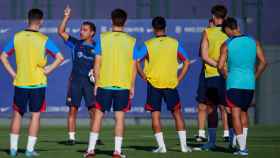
(80, 54)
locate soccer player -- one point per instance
(211, 91)
(202, 113)
(30, 78)
(80, 86)
(161, 55)
(241, 52)
(115, 72)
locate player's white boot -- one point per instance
(186, 149)
(160, 150)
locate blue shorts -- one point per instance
(78, 88)
(27, 99)
(241, 98)
(119, 99)
(211, 90)
(155, 96)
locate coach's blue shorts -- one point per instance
(78, 88)
(155, 96)
(119, 99)
(240, 98)
(29, 99)
(211, 90)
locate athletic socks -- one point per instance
(31, 143)
(71, 135)
(14, 141)
(241, 141)
(245, 133)
(118, 144)
(160, 140)
(201, 133)
(183, 139)
(226, 133)
(93, 137)
(234, 141)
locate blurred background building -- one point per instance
(260, 19)
(260, 15)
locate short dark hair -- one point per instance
(119, 17)
(91, 25)
(231, 23)
(159, 23)
(35, 15)
(219, 11)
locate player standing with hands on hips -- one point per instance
(30, 77)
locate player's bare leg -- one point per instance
(202, 115)
(224, 117)
(91, 114)
(34, 126)
(94, 134)
(245, 123)
(238, 128)
(181, 130)
(72, 117)
(15, 127)
(119, 132)
(156, 125)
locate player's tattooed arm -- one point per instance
(96, 69)
(262, 63)
(204, 48)
(134, 72)
(140, 70)
(7, 65)
(222, 60)
(63, 24)
(184, 70)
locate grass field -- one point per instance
(264, 142)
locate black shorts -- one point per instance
(80, 87)
(241, 98)
(211, 90)
(119, 99)
(29, 99)
(155, 96)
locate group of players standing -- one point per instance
(227, 78)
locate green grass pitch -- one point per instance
(263, 142)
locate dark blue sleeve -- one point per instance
(71, 41)
(140, 53)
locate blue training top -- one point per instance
(242, 51)
(83, 55)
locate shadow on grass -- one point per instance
(20, 151)
(150, 148)
(143, 148)
(98, 152)
(65, 142)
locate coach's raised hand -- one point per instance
(62, 26)
(67, 12)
